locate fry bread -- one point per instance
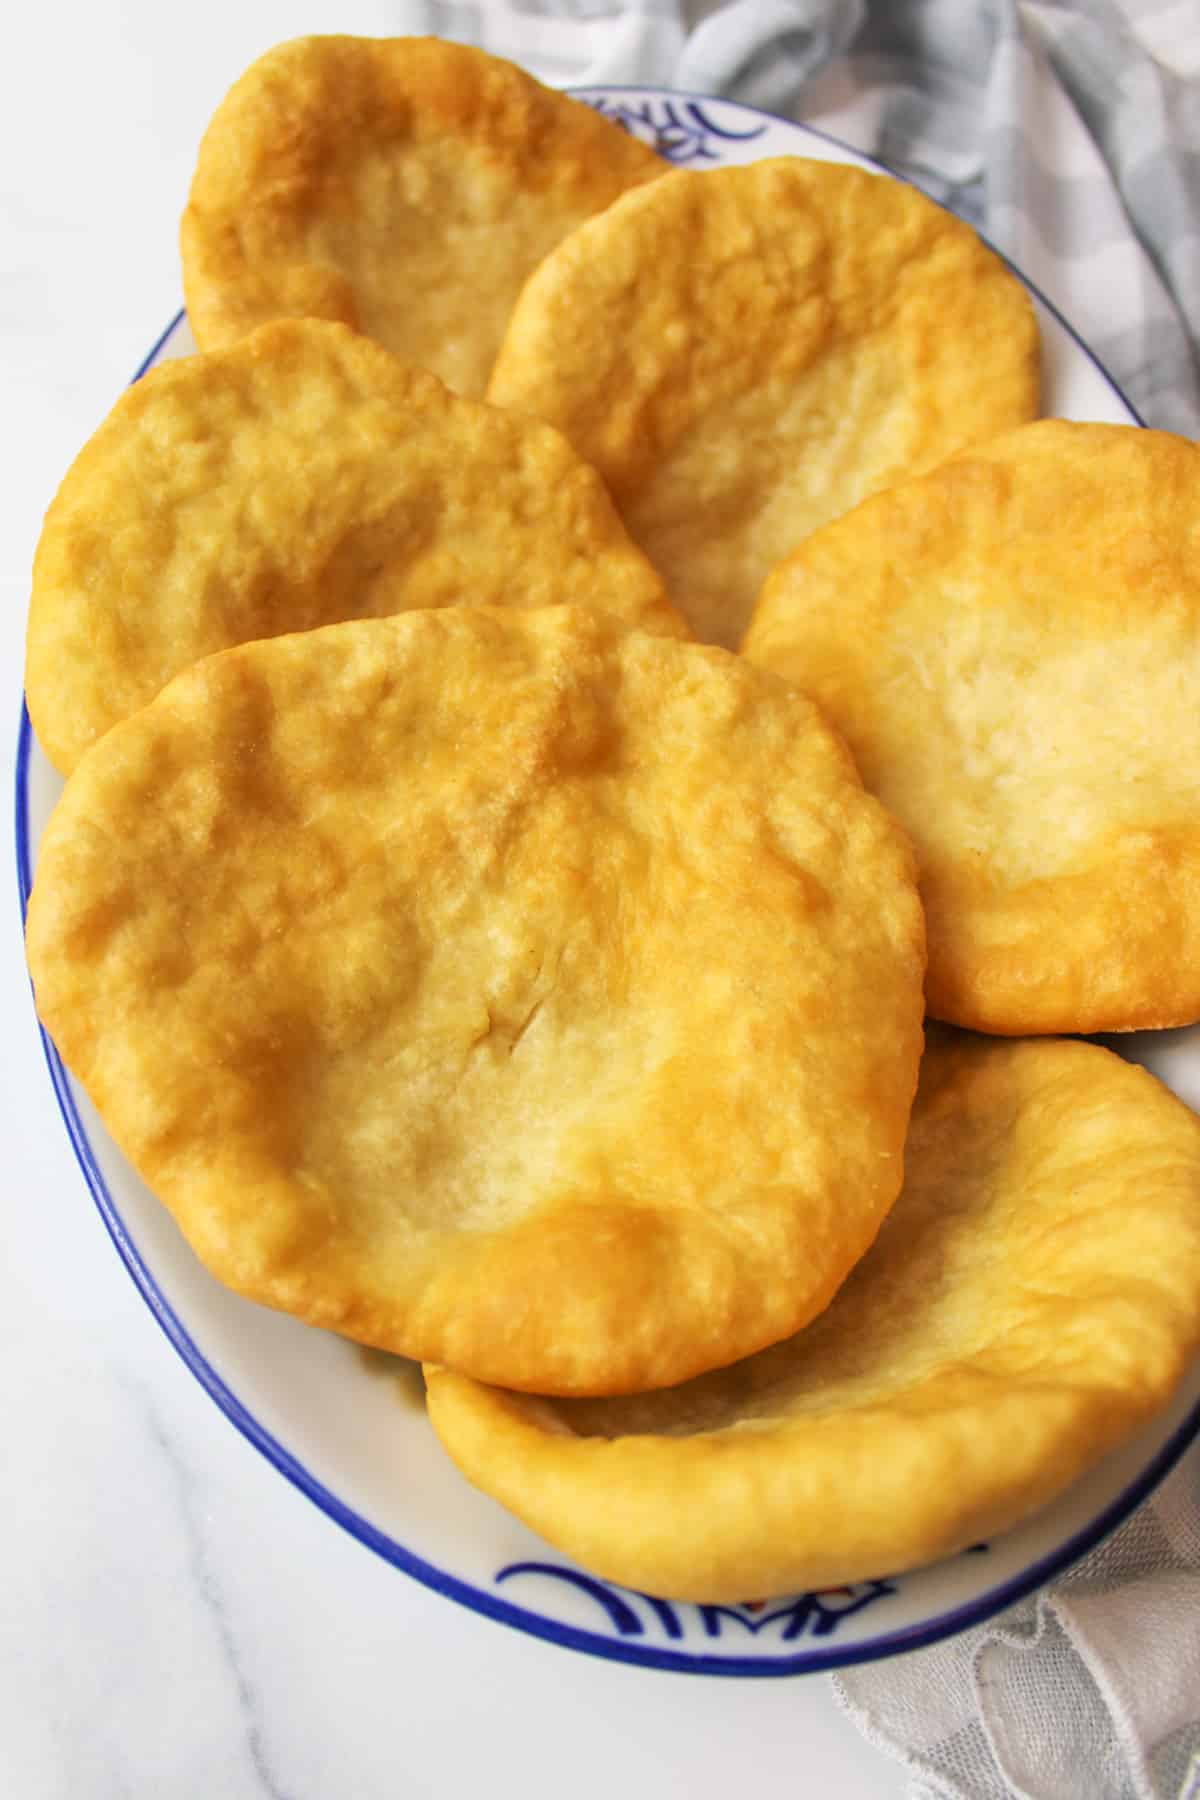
(302, 477)
(748, 352)
(498, 988)
(1011, 646)
(405, 186)
(1032, 1297)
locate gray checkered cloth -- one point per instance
(1069, 133)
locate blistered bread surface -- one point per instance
(302, 477)
(501, 988)
(744, 353)
(1011, 646)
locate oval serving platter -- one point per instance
(348, 1427)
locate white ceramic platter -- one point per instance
(349, 1428)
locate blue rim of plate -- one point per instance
(890, 1643)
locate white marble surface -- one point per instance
(176, 1620)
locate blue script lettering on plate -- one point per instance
(680, 130)
(808, 1615)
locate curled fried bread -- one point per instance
(1032, 1297)
(404, 186)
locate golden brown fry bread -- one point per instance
(494, 987)
(302, 477)
(1011, 646)
(405, 186)
(746, 353)
(1033, 1295)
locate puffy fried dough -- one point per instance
(303, 477)
(405, 186)
(500, 988)
(1011, 646)
(1033, 1295)
(748, 352)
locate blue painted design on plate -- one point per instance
(680, 130)
(621, 1614)
(808, 1615)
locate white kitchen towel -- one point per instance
(1070, 135)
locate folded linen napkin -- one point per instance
(1089, 1690)
(1069, 133)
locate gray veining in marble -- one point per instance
(208, 1588)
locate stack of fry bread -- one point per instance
(584, 659)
